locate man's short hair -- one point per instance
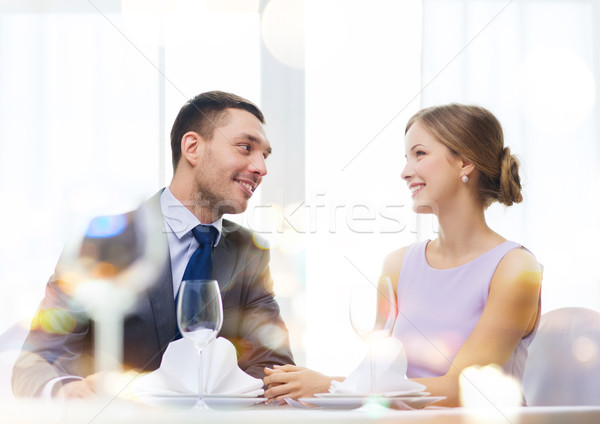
(203, 114)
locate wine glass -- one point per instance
(199, 317)
(373, 310)
(107, 263)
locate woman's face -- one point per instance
(432, 172)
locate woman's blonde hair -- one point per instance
(474, 133)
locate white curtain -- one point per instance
(78, 130)
(536, 65)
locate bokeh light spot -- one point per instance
(260, 242)
(104, 270)
(282, 28)
(106, 226)
(54, 321)
(292, 242)
(585, 350)
(287, 284)
(272, 336)
(267, 222)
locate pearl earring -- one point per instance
(464, 179)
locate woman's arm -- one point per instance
(295, 382)
(509, 315)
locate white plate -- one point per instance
(357, 402)
(232, 402)
(414, 402)
(341, 395)
(334, 403)
(213, 401)
(412, 393)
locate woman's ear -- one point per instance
(190, 145)
(467, 167)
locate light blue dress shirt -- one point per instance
(179, 222)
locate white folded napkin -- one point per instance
(178, 372)
(390, 372)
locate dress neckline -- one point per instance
(487, 252)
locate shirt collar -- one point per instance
(180, 219)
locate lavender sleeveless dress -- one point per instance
(439, 308)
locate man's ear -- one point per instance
(190, 147)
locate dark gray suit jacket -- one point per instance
(252, 321)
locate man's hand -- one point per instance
(86, 388)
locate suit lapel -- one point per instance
(160, 295)
(162, 303)
(224, 259)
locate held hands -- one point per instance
(283, 381)
(290, 381)
(86, 388)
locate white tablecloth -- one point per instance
(123, 412)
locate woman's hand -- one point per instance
(290, 381)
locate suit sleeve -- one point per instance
(60, 339)
(264, 336)
(55, 344)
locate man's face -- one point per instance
(232, 164)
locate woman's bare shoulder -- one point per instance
(519, 261)
(393, 262)
(518, 269)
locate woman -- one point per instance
(468, 297)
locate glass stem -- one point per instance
(108, 340)
(372, 359)
(200, 382)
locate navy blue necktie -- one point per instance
(200, 265)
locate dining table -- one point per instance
(120, 411)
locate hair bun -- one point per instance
(510, 182)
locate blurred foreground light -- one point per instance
(488, 386)
(283, 31)
(376, 406)
(120, 384)
(491, 395)
(557, 88)
(102, 298)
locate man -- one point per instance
(219, 149)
